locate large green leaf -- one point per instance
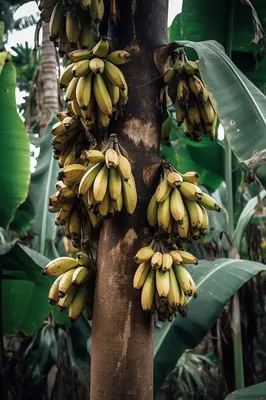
(42, 186)
(14, 149)
(241, 107)
(217, 281)
(255, 392)
(24, 289)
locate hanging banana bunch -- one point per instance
(190, 97)
(73, 288)
(178, 205)
(164, 282)
(94, 83)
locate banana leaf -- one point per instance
(24, 289)
(14, 149)
(217, 282)
(254, 392)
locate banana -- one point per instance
(180, 113)
(87, 36)
(207, 112)
(193, 115)
(65, 301)
(198, 89)
(183, 93)
(191, 67)
(113, 91)
(114, 184)
(96, 220)
(81, 68)
(148, 290)
(80, 275)
(83, 259)
(209, 203)
(72, 172)
(104, 207)
(71, 123)
(118, 57)
(101, 95)
(185, 280)
(97, 10)
(177, 206)
(53, 295)
(192, 177)
(174, 179)
(63, 47)
(88, 178)
(56, 21)
(64, 214)
(87, 91)
(183, 229)
(152, 212)
(97, 65)
(124, 168)
(144, 254)
(58, 129)
(66, 76)
(65, 282)
(190, 191)
(205, 223)
(179, 66)
(118, 204)
(211, 128)
(75, 225)
(195, 214)
(163, 190)
(76, 108)
(78, 55)
(130, 196)
(168, 75)
(79, 91)
(164, 214)
(61, 115)
(100, 184)
(103, 120)
(156, 260)
(111, 158)
(114, 75)
(71, 89)
(59, 266)
(187, 257)
(101, 48)
(94, 156)
(162, 283)
(141, 275)
(174, 295)
(86, 234)
(78, 303)
(167, 262)
(177, 259)
(72, 27)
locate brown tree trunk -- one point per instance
(122, 336)
(47, 85)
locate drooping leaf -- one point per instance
(14, 149)
(42, 186)
(254, 392)
(24, 289)
(21, 222)
(217, 281)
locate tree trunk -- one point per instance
(48, 95)
(122, 336)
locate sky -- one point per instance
(175, 7)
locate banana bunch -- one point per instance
(178, 205)
(94, 83)
(109, 183)
(69, 140)
(72, 24)
(164, 282)
(74, 286)
(190, 98)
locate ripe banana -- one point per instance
(185, 280)
(174, 295)
(97, 65)
(83, 259)
(174, 179)
(209, 203)
(59, 266)
(190, 191)
(71, 89)
(80, 275)
(198, 89)
(195, 214)
(156, 260)
(164, 214)
(65, 282)
(56, 21)
(144, 254)
(88, 179)
(81, 68)
(163, 190)
(114, 184)
(65, 301)
(101, 48)
(192, 177)
(152, 212)
(53, 295)
(78, 55)
(72, 27)
(187, 258)
(66, 75)
(114, 75)
(78, 303)
(100, 184)
(183, 93)
(167, 262)
(148, 290)
(141, 275)
(177, 206)
(162, 283)
(118, 57)
(130, 196)
(102, 96)
(94, 156)
(124, 168)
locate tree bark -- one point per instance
(48, 95)
(122, 336)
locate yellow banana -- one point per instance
(72, 172)
(118, 204)
(78, 303)
(53, 295)
(190, 191)
(83, 259)
(75, 107)
(75, 225)
(71, 123)
(177, 259)
(124, 168)
(130, 196)
(113, 91)
(80, 275)
(162, 283)
(191, 67)
(205, 223)
(192, 177)
(148, 291)
(156, 260)
(65, 282)
(102, 96)
(59, 266)
(118, 57)
(162, 191)
(101, 48)
(164, 214)
(114, 184)
(100, 184)
(183, 93)
(65, 301)
(114, 75)
(79, 91)
(88, 178)
(97, 10)
(174, 179)
(167, 262)
(87, 35)
(195, 214)
(94, 156)
(56, 21)
(141, 275)
(180, 113)
(104, 207)
(198, 89)
(66, 76)
(207, 112)
(168, 75)
(72, 27)
(144, 254)
(87, 91)
(209, 203)
(174, 295)
(177, 206)
(97, 65)
(81, 68)
(71, 89)
(179, 66)
(183, 229)
(187, 257)
(103, 120)
(185, 280)
(152, 212)
(78, 55)
(111, 158)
